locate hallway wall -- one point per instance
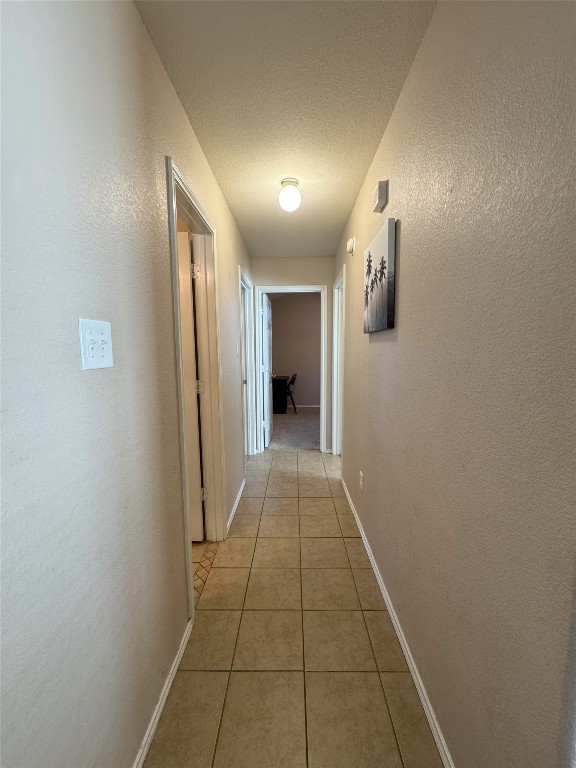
(462, 417)
(296, 330)
(93, 579)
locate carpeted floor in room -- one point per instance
(293, 431)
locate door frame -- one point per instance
(215, 523)
(338, 318)
(323, 291)
(247, 341)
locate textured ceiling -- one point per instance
(281, 88)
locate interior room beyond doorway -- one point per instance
(296, 350)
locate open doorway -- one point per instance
(291, 341)
(197, 370)
(296, 352)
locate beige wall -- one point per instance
(304, 271)
(462, 418)
(94, 597)
(296, 343)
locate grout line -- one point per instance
(376, 664)
(303, 640)
(233, 655)
(391, 718)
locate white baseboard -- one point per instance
(429, 711)
(150, 731)
(235, 507)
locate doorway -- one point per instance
(197, 368)
(248, 363)
(338, 361)
(264, 380)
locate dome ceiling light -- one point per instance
(290, 197)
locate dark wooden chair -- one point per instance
(289, 385)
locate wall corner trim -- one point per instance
(153, 724)
(235, 507)
(426, 703)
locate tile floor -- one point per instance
(293, 661)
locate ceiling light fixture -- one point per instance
(290, 197)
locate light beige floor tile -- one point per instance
(269, 640)
(211, 644)
(235, 553)
(282, 488)
(258, 466)
(263, 725)
(337, 641)
(198, 550)
(256, 476)
(368, 590)
(387, 650)
(283, 476)
(309, 454)
(279, 527)
(277, 553)
(260, 459)
(278, 457)
(357, 553)
(244, 526)
(250, 506)
(254, 490)
(348, 526)
(342, 506)
(285, 459)
(280, 506)
(316, 506)
(274, 589)
(224, 589)
(415, 738)
(319, 525)
(336, 489)
(328, 589)
(323, 553)
(187, 731)
(348, 722)
(286, 465)
(312, 473)
(316, 488)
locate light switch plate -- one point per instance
(95, 344)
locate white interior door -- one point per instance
(192, 450)
(266, 315)
(337, 363)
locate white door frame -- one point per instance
(215, 523)
(265, 371)
(247, 341)
(338, 309)
(323, 291)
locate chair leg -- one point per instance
(293, 403)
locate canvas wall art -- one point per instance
(379, 280)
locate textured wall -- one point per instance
(93, 581)
(462, 418)
(296, 343)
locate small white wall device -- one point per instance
(380, 197)
(95, 344)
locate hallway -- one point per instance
(293, 660)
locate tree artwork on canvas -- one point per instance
(379, 284)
